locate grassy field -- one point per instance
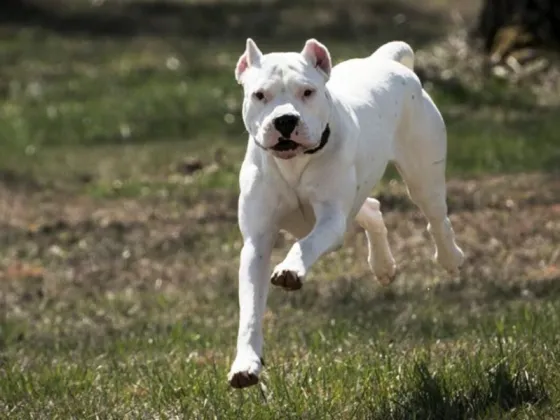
(121, 141)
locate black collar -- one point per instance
(324, 140)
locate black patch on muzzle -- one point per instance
(284, 145)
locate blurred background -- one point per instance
(121, 140)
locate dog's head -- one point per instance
(286, 105)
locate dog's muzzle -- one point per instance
(286, 145)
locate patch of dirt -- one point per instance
(57, 247)
(500, 192)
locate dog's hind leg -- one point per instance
(420, 158)
(428, 193)
(380, 258)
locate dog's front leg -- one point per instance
(327, 235)
(253, 289)
(259, 233)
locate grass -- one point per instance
(90, 92)
(470, 366)
(120, 247)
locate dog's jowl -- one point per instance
(320, 138)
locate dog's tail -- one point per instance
(398, 51)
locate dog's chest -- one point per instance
(298, 219)
(297, 214)
(291, 171)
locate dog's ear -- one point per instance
(318, 55)
(250, 58)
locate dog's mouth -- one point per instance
(285, 145)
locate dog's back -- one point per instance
(359, 77)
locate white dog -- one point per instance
(320, 139)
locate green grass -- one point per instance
(440, 364)
(91, 98)
(118, 263)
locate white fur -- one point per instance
(377, 112)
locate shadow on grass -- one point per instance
(288, 20)
(431, 396)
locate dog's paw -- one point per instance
(451, 259)
(245, 370)
(286, 278)
(385, 270)
(387, 275)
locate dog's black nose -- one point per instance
(286, 124)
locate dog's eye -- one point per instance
(259, 96)
(307, 93)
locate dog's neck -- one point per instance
(324, 139)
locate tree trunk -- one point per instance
(18, 11)
(509, 25)
(518, 27)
